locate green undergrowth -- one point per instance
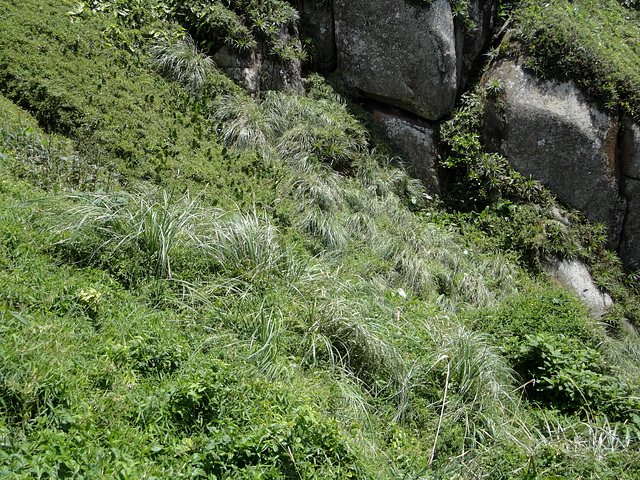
(242, 26)
(291, 305)
(281, 373)
(592, 42)
(92, 81)
(212, 347)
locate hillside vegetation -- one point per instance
(195, 283)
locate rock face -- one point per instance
(406, 53)
(629, 155)
(548, 131)
(590, 159)
(629, 247)
(317, 22)
(470, 42)
(415, 141)
(257, 71)
(244, 69)
(399, 53)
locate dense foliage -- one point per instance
(199, 284)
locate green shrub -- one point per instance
(289, 441)
(147, 355)
(214, 25)
(571, 377)
(105, 98)
(543, 309)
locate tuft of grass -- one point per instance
(293, 126)
(623, 353)
(247, 246)
(327, 227)
(149, 221)
(184, 63)
(478, 384)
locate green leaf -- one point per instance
(20, 318)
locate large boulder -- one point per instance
(410, 54)
(548, 131)
(399, 52)
(414, 140)
(574, 275)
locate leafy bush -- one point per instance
(545, 309)
(290, 440)
(214, 24)
(474, 178)
(147, 355)
(571, 377)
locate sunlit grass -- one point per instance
(184, 63)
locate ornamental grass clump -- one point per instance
(293, 127)
(247, 246)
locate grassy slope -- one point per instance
(223, 347)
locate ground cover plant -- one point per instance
(276, 299)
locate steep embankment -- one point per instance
(195, 283)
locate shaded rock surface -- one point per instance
(258, 71)
(414, 139)
(318, 23)
(243, 69)
(470, 43)
(629, 150)
(629, 158)
(629, 247)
